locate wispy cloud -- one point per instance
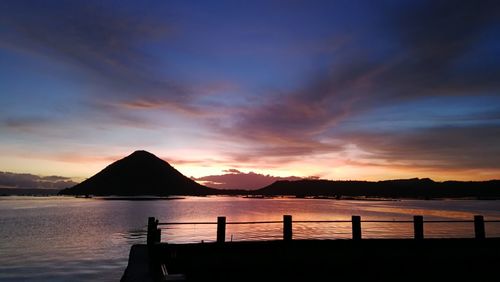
(86, 33)
(26, 124)
(425, 52)
(107, 42)
(453, 147)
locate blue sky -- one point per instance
(332, 89)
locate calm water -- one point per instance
(70, 239)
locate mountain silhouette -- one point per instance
(424, 188)
(140, 173)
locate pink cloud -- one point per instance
(236, 179)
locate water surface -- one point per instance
(70, 239)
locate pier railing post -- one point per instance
(418, 226)
(157, 238)
(221, 229)
(287, 227)
(356, 227)
(154, 234)
(479, 227)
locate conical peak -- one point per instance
(140, 173)
(143, 157)
(141, 153)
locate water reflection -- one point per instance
(206, 233)
(133, 236)
(61, 239)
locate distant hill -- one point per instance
(403, 188)
(140, 173)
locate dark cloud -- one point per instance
(450, 147)
(419, 51)
(240, 180)
(444, 30)
(27, 124)
(436, 38)
(25, 180)
(106, 41)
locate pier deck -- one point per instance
(418, 259)
(315, 260)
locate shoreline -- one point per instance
(253, 197)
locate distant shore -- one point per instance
(245, 196)
(121, 198)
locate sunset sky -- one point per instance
(363, 90)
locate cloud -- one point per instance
(236, 179)
(83, 32)
(25, 180)
(438, 148)
(26, 124)
(438, 40)
(107, 43)
(426, 49)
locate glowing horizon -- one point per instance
(202, 168)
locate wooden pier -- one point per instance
(420, 258)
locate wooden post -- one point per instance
(418, 227)
(356, 227)
(151, 231)
(479, 227)
(157, 232)
(287, 227)
(221, 229)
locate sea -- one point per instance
(89, 239)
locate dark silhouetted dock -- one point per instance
(418, 259)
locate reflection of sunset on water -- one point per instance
(250, 210)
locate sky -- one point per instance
(365, 90)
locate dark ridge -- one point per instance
(28, 192)
(423, 188)
(140, 173)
